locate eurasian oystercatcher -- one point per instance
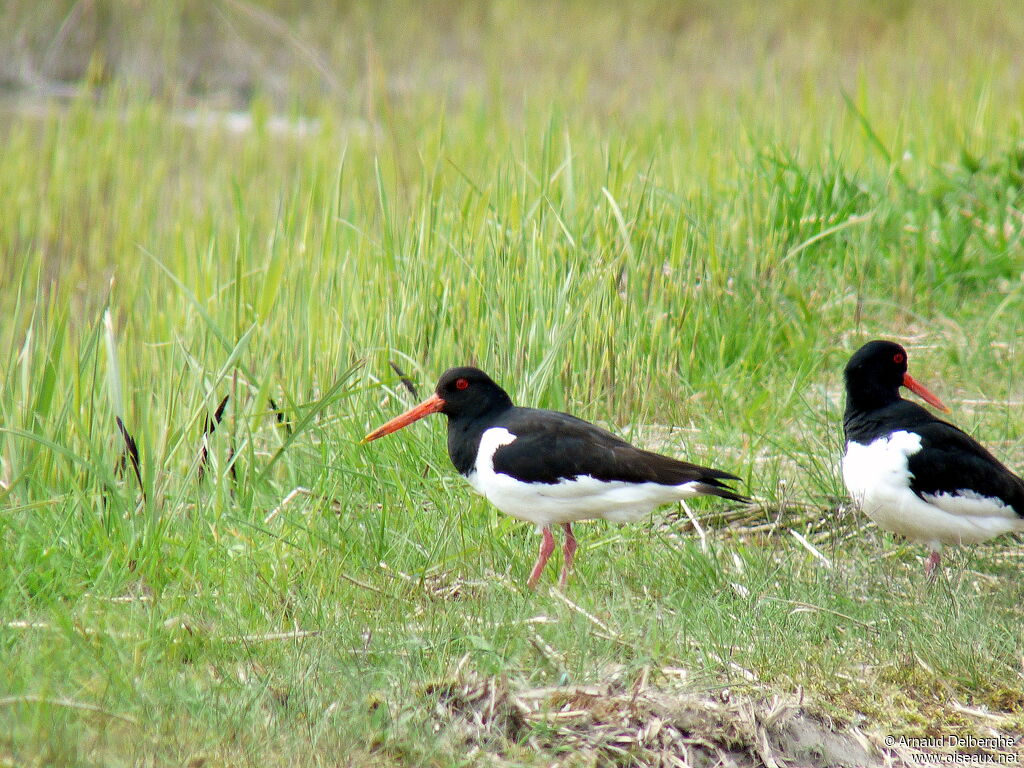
(914, 474)
(552, 468)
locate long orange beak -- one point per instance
(432, 404)
(921, 391)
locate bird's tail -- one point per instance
(714, 487)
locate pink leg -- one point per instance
(547, 546)
(930, 564)
(569, 550)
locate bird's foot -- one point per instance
(931, 563)
(568, 552)
(547, 546)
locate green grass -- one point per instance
(661, 216)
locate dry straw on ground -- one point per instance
(615, 724)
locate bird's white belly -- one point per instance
(878, 478)
(580, 498)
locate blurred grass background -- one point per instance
(656, 215)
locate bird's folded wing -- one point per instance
(551, 447)
(957, 474)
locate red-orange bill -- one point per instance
(432, 404)
(922, 391)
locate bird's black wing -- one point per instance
(951, 462)
(551, 447)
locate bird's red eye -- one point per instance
(461, 383)
(898, 358)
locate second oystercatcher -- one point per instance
(913, 473)
(551, 468)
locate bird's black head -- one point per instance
(469, 393)
(462, 393)
(877, 367)
(875, 373)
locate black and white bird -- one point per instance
(914, 474)
(551, 468)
